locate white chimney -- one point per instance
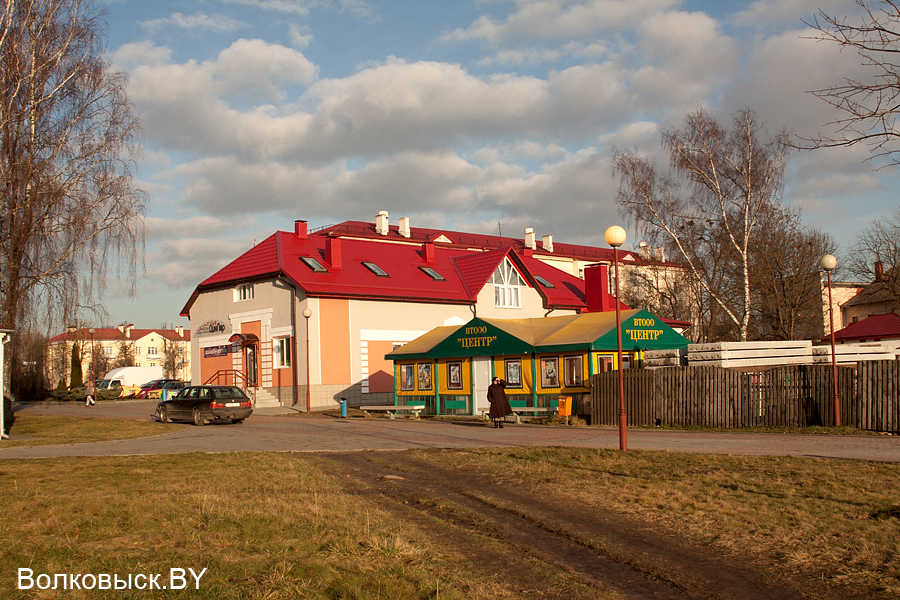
(404, 226)
(381, 223)
(644, 250)
(529, 238)
(548, 243)
(660, 253)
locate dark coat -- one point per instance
(499, 402)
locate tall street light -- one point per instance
(615, 237)
(307, 313)
(828, 263)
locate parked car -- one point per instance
(204, 403)
(169, 388)
(151, 389)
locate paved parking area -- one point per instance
(268, 431)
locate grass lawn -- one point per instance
(42, 430)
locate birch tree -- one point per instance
(71, 214)
(708, 205)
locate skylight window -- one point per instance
(375, 269)
(544, 282)
(313, 264)
(432, 273)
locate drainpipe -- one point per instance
(295, 393)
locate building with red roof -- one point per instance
(877, 328)
(354, 292)
(105, 347)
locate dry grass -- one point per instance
(835, 520)
(42, 430)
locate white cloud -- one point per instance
(197, 22)
(788, 12)
(295, 7)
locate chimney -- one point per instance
(659, 253)
(300, 230)
(180, 331)
(428, 252)
(381, 223)
(121, 329)
(333, 253)
(879, 270)
(596, 289)
(548, 243)
(529, 238)
(404, 226)
(644, 250)
(128, 329)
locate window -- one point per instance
(375, 269)
(313, 264)
(574, 371)
(107, 351)
(514, 372)
(151, 350)
(137, 350)
(243, 292)
(544, 282)
(281, 352)
(407, 378)
(432, 273)
(550, 372)
(507, 282)
(454, 375)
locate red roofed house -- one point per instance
(877, 328)
(148, 347)
(367, 290)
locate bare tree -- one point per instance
(870, 106)
(68, 135)
(786, 278)
(173, 354)
(875, 256)
(708, 206)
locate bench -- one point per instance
(518, 411)
(392, 410)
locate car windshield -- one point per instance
(230, 392)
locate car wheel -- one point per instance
(236, 421)
(164, 415)
(199, 421)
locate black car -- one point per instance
(204, 403)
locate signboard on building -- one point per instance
(211, 327)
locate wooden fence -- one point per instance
(796, 395)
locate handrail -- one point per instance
(236, 377)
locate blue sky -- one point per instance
(457, 114)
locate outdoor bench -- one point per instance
(392, 410)
(518, 411)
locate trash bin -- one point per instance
(343, 408)
(565, 406)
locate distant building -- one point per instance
(883, 328)
(370, 288)
(146, 347)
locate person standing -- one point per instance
(91, 391)
(500, 407)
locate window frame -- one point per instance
(281, 348)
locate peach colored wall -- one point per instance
(335, 340)
(285, 376)
(381, 372)
(211, 366)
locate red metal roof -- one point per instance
(108, 334)
(872, 328)
(363, 229)
(465, 272)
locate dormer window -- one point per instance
(432, 273)
(544, 282)
(243, 292)
(507, 282)
(313, 264)
(375, 269)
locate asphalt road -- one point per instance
(268, 431)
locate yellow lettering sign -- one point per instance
(640, 335)
(475, 330)
(476, 342)
(644, 322)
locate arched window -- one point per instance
(507, 282)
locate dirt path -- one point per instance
(539, 546)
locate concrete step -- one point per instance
(265, 400)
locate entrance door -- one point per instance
(250, 365)
(482, 368)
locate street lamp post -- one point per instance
(615, 237)
(307, 313)
(828, 263)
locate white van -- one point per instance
(129, 377)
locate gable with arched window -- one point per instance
(507, 285)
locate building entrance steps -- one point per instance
(266, 400)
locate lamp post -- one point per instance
(307, 313)
(615, 237)
(93, 359)
(828, 263)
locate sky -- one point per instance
(469, 115)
